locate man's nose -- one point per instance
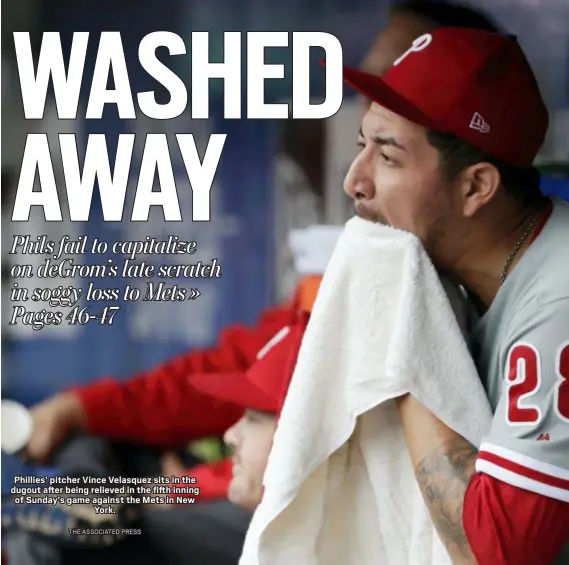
(231, 436)
(358, 183)
(359, 187)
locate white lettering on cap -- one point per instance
(479, 123)
(281, 334)
(420, 43)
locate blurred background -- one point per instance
(273, 175)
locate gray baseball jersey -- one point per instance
(521, 348)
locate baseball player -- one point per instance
(447, 151)
(261, 391)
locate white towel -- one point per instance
(339, 487)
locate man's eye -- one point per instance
(361, 144)
(386, 158)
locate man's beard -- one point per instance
(431, 242)
(365, 213)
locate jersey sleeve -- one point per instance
(528, 445)
(160, 407)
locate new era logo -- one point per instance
(543, 437)
(478, 123)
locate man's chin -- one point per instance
(235, 491)
(239, 493)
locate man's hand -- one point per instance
(53, 420)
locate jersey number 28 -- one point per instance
(524, 381)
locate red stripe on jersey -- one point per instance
(524, 471)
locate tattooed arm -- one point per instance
(444, 465)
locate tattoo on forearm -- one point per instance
(443, 477)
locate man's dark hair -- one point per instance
(448, 14)
(456, 155)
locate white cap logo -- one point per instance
(479, 123)
(281, 334)
(418, 44)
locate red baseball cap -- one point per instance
(264, 385)
(474, 84)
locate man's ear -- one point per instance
(479, 184)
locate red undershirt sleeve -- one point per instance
(506, 525)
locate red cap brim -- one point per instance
(374, 88)
(235, 388)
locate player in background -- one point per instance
(410, 19)
(447, 151)
(260, 391)
(159, 409)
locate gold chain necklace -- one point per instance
(517, 248)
